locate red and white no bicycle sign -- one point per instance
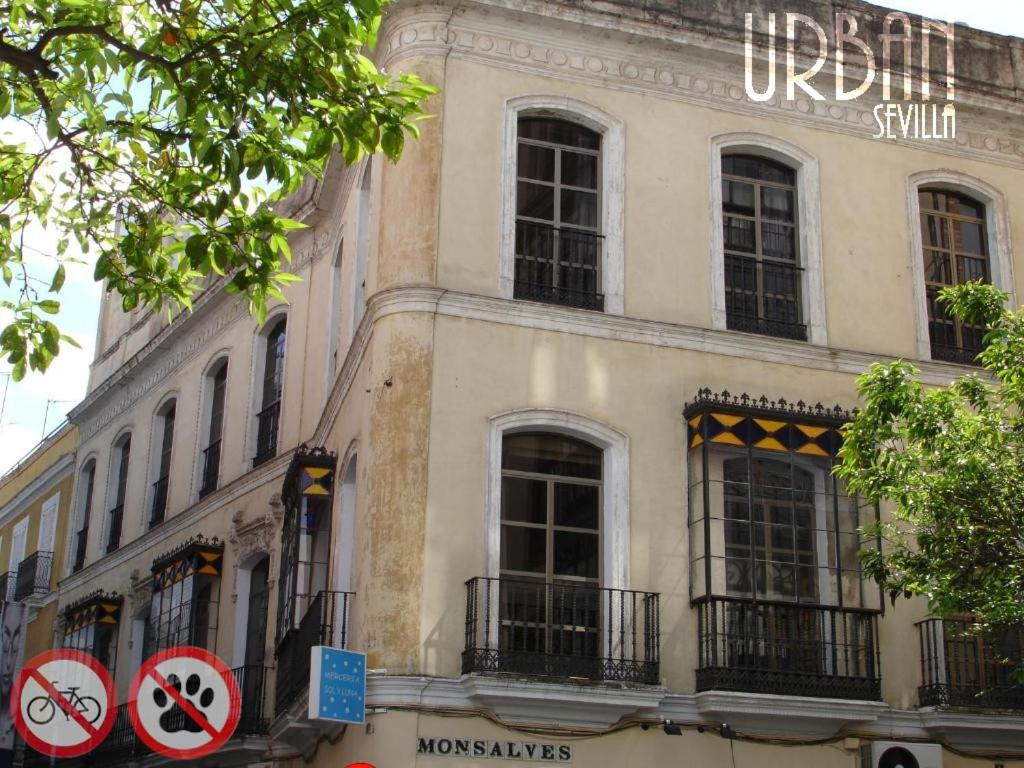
(63, 703)
(184, 703)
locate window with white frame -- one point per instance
(558, 213)
(271, 386)
(87, 484)
(216, 390)
(163, 444)
(766, 238)
(120, 461)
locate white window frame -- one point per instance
(259, 357)
(614, 479)
(156, 436)
(997, 231)
(50, 507)
(223, 356)
(110, 494)
(613, 150)
(808, 202)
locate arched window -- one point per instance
(272, 384)
(87, 484)
(163, 443)
(550, 570)
(216, 386)
(760, 244)
(119, 487)
(558, 234)
(954, 242)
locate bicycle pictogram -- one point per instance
(42, 709)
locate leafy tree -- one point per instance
(949, 461)
(161, 132)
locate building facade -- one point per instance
(35, 502)
(547, 427)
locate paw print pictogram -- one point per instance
(174, 718)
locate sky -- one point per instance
(32, 407)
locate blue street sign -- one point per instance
(337, 685)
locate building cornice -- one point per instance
(598, 707)
(709, 74)
(549, 317)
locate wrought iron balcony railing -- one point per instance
(788, 649)
(211, 469)
(558, 266)
(114, 532)
(159, 508)
(252, 684)
(81, 540)
(34, 575)
(266, 433)
(122, 744)
(960, 668)
(763, 297)
(562, 631)
(325, 623)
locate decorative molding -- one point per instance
(612, 198)
(497, 37)
(257, 536)
(762, 406)
(770, 714)
(596, 707)
(808, 205)
(548, 317)
(997, 230)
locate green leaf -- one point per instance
(49, 306)
(58, 279)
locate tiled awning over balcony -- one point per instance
(577, 632)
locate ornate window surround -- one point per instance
(613, 146)
(808, 201)
(615, 476)
(997, 230)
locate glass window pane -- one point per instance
(523, 549)
(933, 231)
(524, 500)
(777, 203)
(577, 506)
(558, 132)
(937, 267)
(739, 235)
(778, 240)
(931, 201)
(535, 200)
(536, 162)
(551, 454)
(575, 554)
(579, 170)
(759, 168)
(965, 206)
(579, 208)
(969, 237)
(737, 197)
